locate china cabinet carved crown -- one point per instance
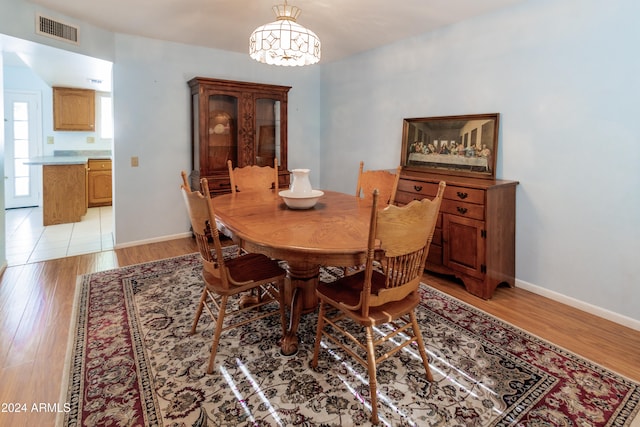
(239, 121)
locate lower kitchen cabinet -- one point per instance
(99, 187)
(475, 235)
(64, 193)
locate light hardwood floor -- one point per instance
(36, 303)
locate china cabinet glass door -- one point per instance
(267, 136)
(222, 132)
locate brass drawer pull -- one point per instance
(462, 195)
(417, 187)
(461, 210)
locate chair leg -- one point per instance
(373, 383)
(203, 298)
(216, 335)
(316, 346)
(423, 353)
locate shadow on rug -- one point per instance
(132, 362)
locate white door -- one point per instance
(22, 127)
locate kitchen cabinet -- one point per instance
(74, 109)
(475, 235)
(99, 187)
(64, 193)
(239, 121)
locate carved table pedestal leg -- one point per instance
(300, 296)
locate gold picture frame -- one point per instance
(464, 145)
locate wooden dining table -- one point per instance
(332, 233)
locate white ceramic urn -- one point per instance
(300, 183)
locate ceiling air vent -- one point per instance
(55, 29)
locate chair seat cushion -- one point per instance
(347, 291)
(253, 267)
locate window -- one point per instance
(21, 148)
(106, 118)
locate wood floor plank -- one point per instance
(36, 304)
(16, 390)
(21, 288)
(64, 274)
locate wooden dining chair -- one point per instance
(225, 279)
(253, 178)
(385, 181)
(399, 239)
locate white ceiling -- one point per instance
(345, 27)
(57, 67)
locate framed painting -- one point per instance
(457, 145)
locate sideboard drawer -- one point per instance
(403, 198)
(468, 210)
(425, 189)
(451, 192)
(468, 195)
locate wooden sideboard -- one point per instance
(475, 235)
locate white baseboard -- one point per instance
(154, 240)
(581, 305)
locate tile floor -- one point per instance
(29, 241)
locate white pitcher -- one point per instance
(300, 183)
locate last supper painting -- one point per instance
(460, 145)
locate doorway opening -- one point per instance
(29, 72)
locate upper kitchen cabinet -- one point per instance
(74, 109)
(238, 121)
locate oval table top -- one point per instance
(333, 232)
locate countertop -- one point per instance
(68, 158)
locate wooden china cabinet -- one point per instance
(238, 121)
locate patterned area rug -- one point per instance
(132, 362)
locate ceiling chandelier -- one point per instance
(284, 41)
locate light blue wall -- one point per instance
(152, 118)
(564, 76)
